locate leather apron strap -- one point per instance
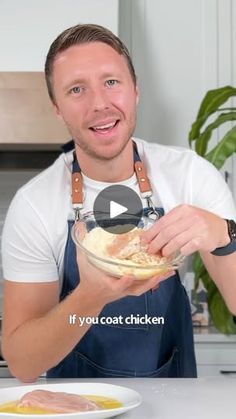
(142, 178)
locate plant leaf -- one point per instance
(222, 318)
(200, 273)
(220, 315)
(210, 104)
(226, 147)
(195, 129)
(198, 269)
(198, 265)
(215, 98)
(202, 141)
(231, 109)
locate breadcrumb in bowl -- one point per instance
(121, 254)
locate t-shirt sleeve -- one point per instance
(27, 254)
(209, 189)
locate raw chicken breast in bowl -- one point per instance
(120, 254)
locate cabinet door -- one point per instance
(26, 114)
(26, 31)
(216, 358)
(216, 370)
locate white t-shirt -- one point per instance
(35, 230)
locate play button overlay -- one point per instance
(118, 209)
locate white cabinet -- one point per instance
(27, 27)
(215, 355)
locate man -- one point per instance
(92, 85)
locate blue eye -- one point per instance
(76, 89)
(111, 82)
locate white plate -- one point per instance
(128, 397)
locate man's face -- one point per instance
(96, 97)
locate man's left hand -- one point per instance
(187, 229)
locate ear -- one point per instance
(57, 111)
(137, 91)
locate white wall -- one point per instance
(180, 50)
(28, 27)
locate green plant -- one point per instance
(200, 136)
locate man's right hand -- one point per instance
(104, 289)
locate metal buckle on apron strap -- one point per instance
(145, 189)
(77, 208)
(77, 193)
(152, 213)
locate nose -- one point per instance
(99, 99)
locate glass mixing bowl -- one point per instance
(93, 241)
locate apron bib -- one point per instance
(132, 350)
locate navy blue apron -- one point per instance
(132, 350)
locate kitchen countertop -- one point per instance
(211, 335)
(202, 398)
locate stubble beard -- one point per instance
(101, 157)
(81, 143)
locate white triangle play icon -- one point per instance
(116, 209)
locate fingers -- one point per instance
(185, 229)
(155, 288)
(78, 233)
(168, 275)
(189, 240)
(191, 247)
(82, 258)
(120, 285)
(172, 217)
(170, 235)
(80, 230)
(139, 287)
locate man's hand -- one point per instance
(105, 289)
(187, 229)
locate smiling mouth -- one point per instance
(105, 128)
